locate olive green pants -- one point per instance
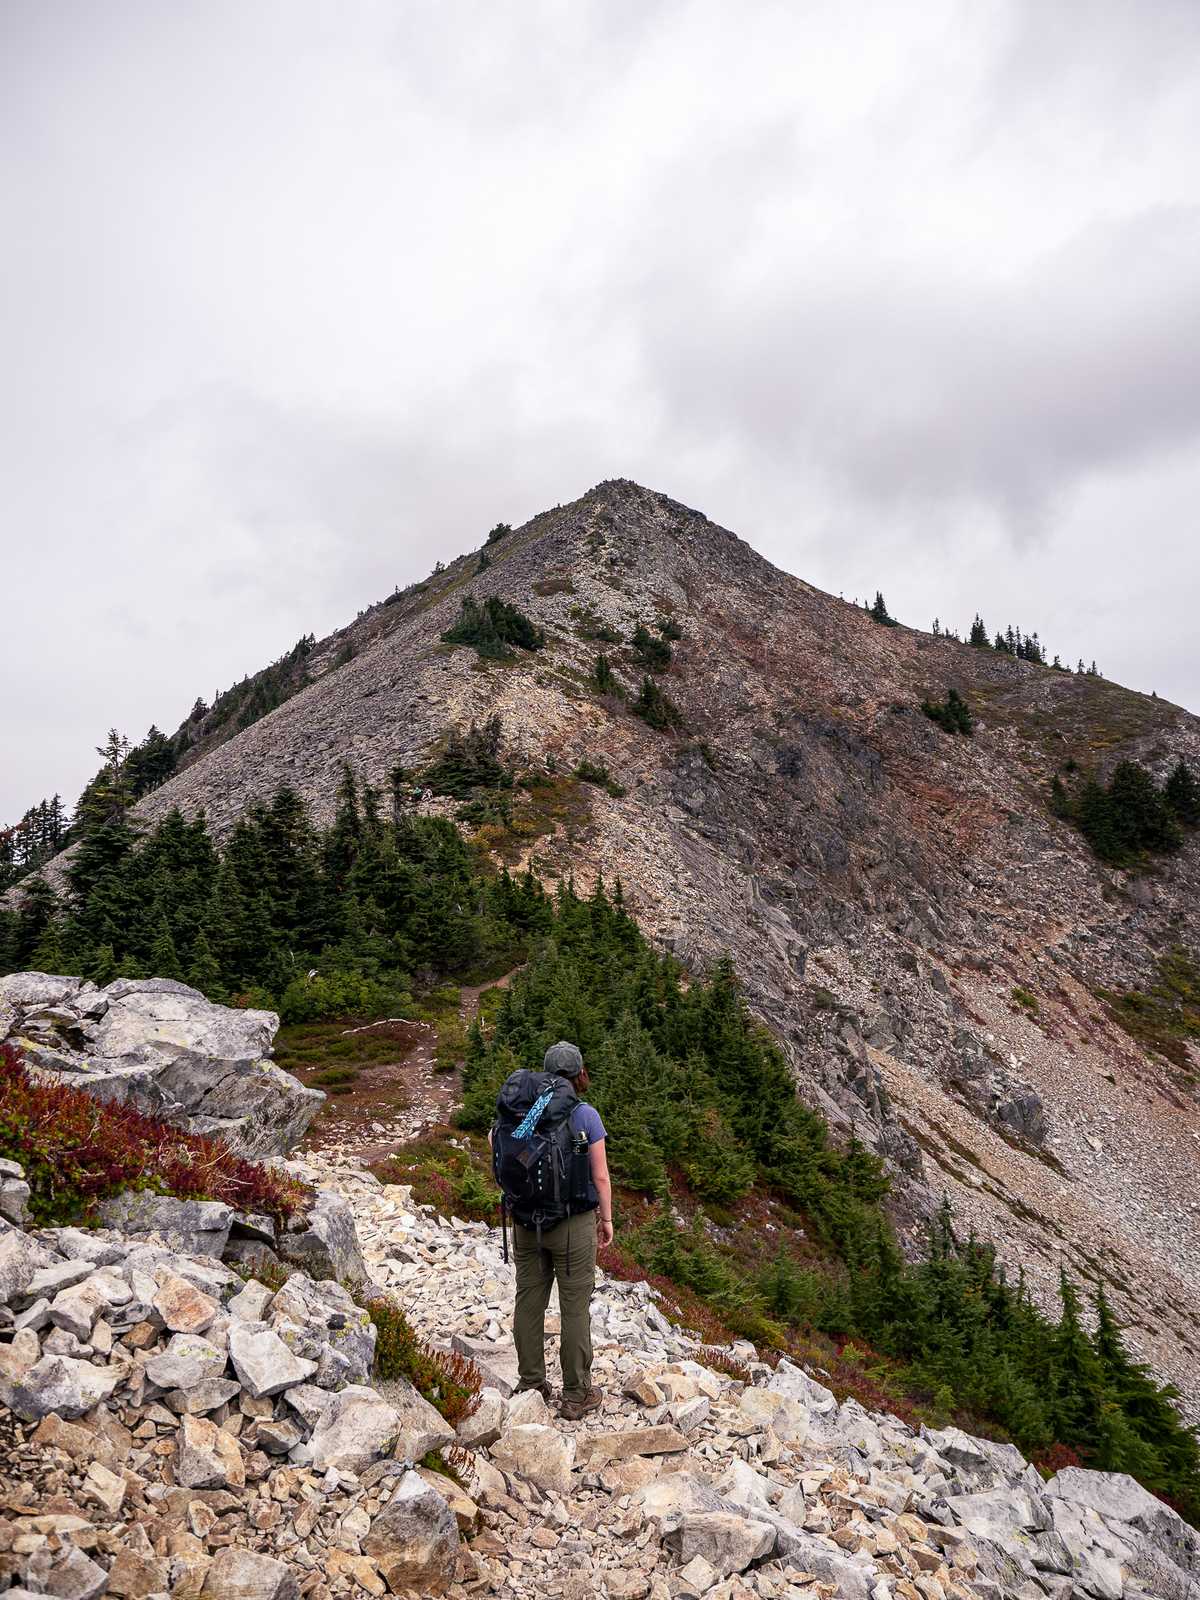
(567, 1257)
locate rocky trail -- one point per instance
(173, 1428)
(393, 1102)
(192, 1402)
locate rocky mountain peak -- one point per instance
(940, 954)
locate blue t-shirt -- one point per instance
(586, 1119)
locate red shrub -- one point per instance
(1055, 1457)
(77, 1150)
(722, 1361)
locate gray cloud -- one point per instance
(298, 300)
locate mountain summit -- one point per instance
(957, 976)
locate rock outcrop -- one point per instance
(163, 1048)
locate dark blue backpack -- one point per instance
(540, 1164)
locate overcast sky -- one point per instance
(299, 297)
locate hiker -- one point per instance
(548, 1154)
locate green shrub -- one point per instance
(475, 1196)
(449, 1382)
(337, 1080)
(1166, 1015)
(655, 708)
(953, 714)
(339, 994)
(493, 627)
(649, 652)
(595, 772)
(592, 772)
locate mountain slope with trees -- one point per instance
(950, 969)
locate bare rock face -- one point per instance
(162, 1047)
(193, 1227)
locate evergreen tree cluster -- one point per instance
(237, 707)
(1023, 647)
(656, 708)
(40, 834)
(1012, 642)
(652, 653)
(1131, 813)
(953, 713)
(367, 905)
(470, 762)
(129, 771)
(692, 1091)
(493, 628)
(879, 612)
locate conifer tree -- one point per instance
(1182, 794)
(204, 973)
(654, 707)
(604, 677)
(1078, 1381)
(103, 967)
(163, 957)
(879, 610)
(979, 633)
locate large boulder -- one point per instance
(536, 1451)
(1118, 1498)
(60, 1384)
(162, 1047)
(263, 1363)
(414, 1539)
(422, 1428)
(191, 1227)
(325, 1241)
(206, 1457)
(32, 991)
(792, 1381)
(14, 1194)
(356, 1428)
(728, 1541)
(20, 1260)
(244, 1575)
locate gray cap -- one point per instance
(563, 1059)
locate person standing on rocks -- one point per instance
(549, 1157)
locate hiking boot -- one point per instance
(547, 1393)
(576, 1410)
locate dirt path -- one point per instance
(394, 1102)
